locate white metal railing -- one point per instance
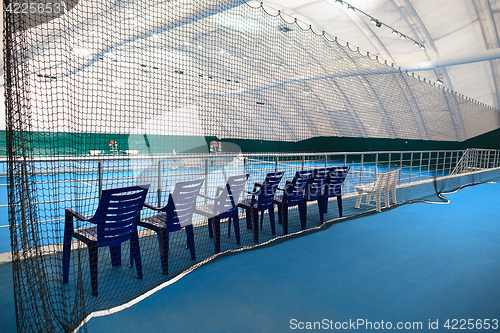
(163, 171)
(476, 159)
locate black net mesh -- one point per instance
(103, 95)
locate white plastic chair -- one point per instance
(386, 182)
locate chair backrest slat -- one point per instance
(294, 190)
(228, 199)
(314, 188)
(334, 180)
(268, 189)
(117, 213)
(181, 202)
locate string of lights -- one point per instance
(379, 24)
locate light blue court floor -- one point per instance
(417, 263)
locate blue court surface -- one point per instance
(418, 264)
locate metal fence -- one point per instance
(162, 172)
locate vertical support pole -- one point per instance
(361, 168)
(345, 159)
(389, 166)
(451, 162)
(206, 178)
(276, 163)
(400, 167)
(376, 164)
(420, 166)
(24, 204)
(245, 165)
(429, 155)
(303, 161)
(326, 161)
(159, 183)
(411, 167)
(444, 163)
(99, 181)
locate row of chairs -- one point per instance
(118, 214)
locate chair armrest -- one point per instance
(74, 213)
(206, 196)
(152, 207)
(249, 192)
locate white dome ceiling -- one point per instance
(460, 36)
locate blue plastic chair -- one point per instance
(115, 223)
(314, 192)
(225, 206)
(333, 187)
(263, 202)
(293, 195)
(177, 214)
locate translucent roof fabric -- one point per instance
(232, 71)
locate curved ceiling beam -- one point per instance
(365, 28)
(490, 35)
(452, 61)
(421, 33)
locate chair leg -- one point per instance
(377, 201)
(136, 251)
(255, 224)
(394, 201)
(216, 233)
(261, 219)
(190, 240)
(358, 200)
(229, 227)
(236, 222)
(280, 216)
(339, 203)
(303, 214)
(321, 208)
(248, 213)
(272, 220)
(210, 230)
(284, 217)
(116, 255)
(93, 267)
(66, 255)
(163, 242)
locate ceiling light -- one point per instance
(378, 24)
(351, 8)
(373, 21)
(402, 36)
(395, 32)
(422, 47)
(416, 44)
